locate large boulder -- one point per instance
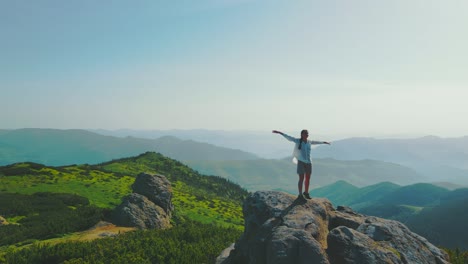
(149, 206)
(156, 188)
(282, 229)
(138, 211)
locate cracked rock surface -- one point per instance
(282, 229)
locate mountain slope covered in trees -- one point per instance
(56, 201)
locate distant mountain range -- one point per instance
(383, 193)
(438, 159)
(261, 143)
(265, 174)
(62, 147)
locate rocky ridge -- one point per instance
(282, 229)
(149, 206)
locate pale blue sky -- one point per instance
(355, 68)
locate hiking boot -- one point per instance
(301, 197)
(306, 195)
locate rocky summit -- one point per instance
(149, 206)
(282, 229)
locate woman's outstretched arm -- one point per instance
(288, 137)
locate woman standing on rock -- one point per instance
(304, 160)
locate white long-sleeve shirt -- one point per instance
(302, 154)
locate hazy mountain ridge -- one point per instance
(438, 158)
(261, 143)
(281, 174)
(349, 148)
(62, 147)
(418, 194)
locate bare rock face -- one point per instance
(149, 206)
(281, 229)
(3, 221)
(156, 188)
(224, 254)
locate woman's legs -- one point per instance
(307, 181)
(299, 184)
(304, 170)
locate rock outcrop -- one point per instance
(149, 206)
(3, 221)
(282, 229)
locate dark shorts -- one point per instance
(303, 167)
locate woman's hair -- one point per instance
(300, 141)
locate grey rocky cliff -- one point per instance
(149, 206)
(282, 229)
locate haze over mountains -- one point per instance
(260, 143)
(435, 158)
(267, 174)
(359, 161)
(63, 147)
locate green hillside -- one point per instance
(367, 195)
(44, 215)
(444, 224)
(343, 193)
(398, 212)
(200, 202)
(402, 203)
(421, 194)
(63, 147)
(338, 193)
(105, 184)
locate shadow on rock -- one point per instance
(282, 229)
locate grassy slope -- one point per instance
(204, 199)
(201, 198)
